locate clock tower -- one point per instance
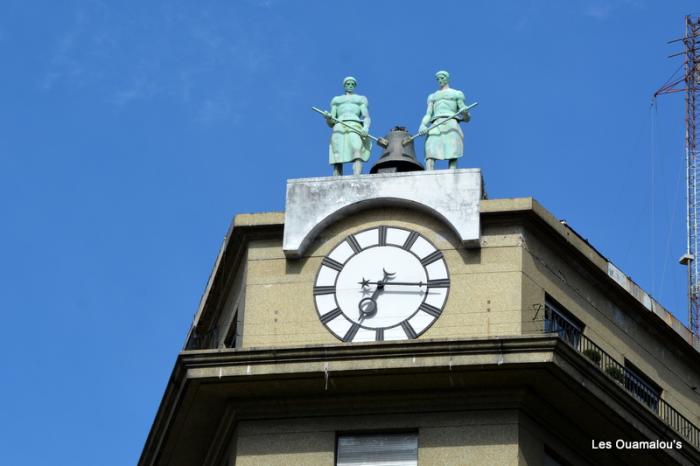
(402, 318)
(380, 245)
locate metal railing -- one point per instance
(567, 330)
(637, 387)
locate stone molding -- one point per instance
(314, 203)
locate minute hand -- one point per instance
(398, 283)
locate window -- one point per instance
(558, 319)
(231, 336)
(641, 386)
(399, 449)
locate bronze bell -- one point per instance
(397, 157)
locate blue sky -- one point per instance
(132, 132)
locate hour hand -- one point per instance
(367, 306)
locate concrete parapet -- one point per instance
(450, 195)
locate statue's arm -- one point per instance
(333, 113)
(364, 112)
(426, 118)
(465, 117)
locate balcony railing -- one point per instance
(632, 383)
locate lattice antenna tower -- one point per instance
(690, 83)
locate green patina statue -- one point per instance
(349, 118)
(445, 140)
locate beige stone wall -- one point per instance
(620, 332)
(484, 297)
(497, 290)
(468, 437)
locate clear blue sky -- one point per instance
(131, 132)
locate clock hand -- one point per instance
(367, 282)
(368, 305)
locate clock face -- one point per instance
(385, 283)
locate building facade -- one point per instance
(398, 319)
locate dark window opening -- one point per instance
(231, 336)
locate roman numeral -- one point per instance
(430, 258)
(432, 310)
(441, 283)
(351, 332)
(410, 333)
(382, 236)
(354, 244)
(380, 334)
(333, 264)
(325, 318)
(323, 290)
(410, 240)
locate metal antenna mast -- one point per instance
(691, 80)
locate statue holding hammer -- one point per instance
(350, 139)
(446, 109)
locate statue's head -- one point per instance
(443, 77)
(349, 84)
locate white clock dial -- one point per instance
(385, 283)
